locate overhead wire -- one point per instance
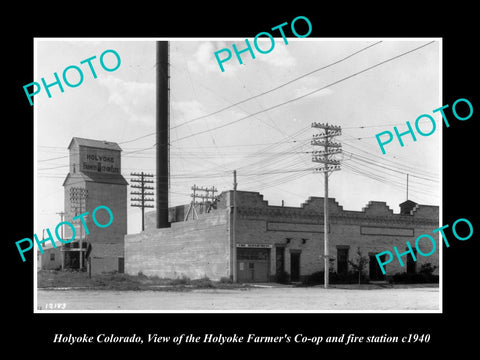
(286, 164)
(278, 87)
(407, 167)
(307, 94)
(277, 105)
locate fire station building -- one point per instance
(268, 240)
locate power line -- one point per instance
(307, 94)
(368, 161)
(278, 87)
(130, 151)
(405, 166)
(386, 181)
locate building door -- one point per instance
(375, 271)
(342, 260)
(411, 264)
(295, 266)
(121, 265)
(280, 259)
(253, 264)
(72, 259)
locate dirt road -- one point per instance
(254, 299)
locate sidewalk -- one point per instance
(370, 286)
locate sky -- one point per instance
(254, 117)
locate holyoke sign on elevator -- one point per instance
(100, 161)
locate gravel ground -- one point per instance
(253, 299)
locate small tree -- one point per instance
(359, 263)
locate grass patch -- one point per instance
(48, 279)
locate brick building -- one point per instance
(269, 239)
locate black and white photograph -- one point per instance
(228, 212)
(233, 182)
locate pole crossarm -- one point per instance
(322, 142)
(327, 168)
(324, 160)
(331, 151)
(326, 126)
(141, 174)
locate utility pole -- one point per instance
(62, 214)
(329, 165)
(89, 259)
(207, 197)
(142, 201)
(78, 198)
(407, 187)
(234, 227)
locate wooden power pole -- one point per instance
(142, 201)
(329, 165)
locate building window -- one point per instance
(342, 259)
(52, 257)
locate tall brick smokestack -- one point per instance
(163, 123)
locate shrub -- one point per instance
(203, 282)
(427, 269)
(181, 281)
(315, 278)
(226, 280)
(425, 275)
(404, 278)
(282, 277)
